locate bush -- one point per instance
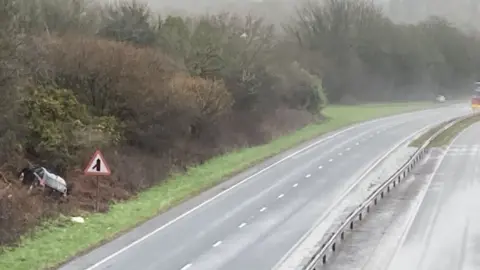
(161, 93)
(59, 127)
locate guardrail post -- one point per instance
(398, 176)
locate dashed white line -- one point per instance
(320, 167)
(340, 153)
(263, 209)
(242, 225)
(281, 196)
(357, 143)
(295, 185)
(186, 266)
(330, 160)
(218, 243)
(348, 149)
(308, 176)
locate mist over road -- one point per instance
(430, 222)
(445, 233)
(255, 223)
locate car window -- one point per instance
(39, 171)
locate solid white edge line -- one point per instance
(364, 174)
(335, 134)
(411, 219)
(186, 266)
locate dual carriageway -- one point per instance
(275, 214)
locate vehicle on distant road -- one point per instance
(441, 99)
(475, 102)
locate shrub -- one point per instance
(160, 94)
(59, 127)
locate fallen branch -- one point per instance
(3, 191)
(5, 179)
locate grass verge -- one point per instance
(447, 136)
(57, 241)
(425, 136)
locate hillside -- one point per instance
(160, 93)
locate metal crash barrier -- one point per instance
(331, 245)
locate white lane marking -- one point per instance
(320, 167)
(338, 133)
(281, 196)
(330, 160)
(308, 176)
(295, 185)
(370, 168)
(186, 266)
(422, 195)
(357, 143)
(218, 243)
(263, 209)
(340, 153)
(348, 149)
(242, 225)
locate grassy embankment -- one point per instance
(59, 240)
(447, 136)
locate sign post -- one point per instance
(97, 167)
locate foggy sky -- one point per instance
(465, 13)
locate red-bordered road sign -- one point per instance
(97, 165)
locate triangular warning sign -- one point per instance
(97, 165)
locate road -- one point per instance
(253, 220)
(445, 233)
(431, 223)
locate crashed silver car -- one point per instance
(41, 176)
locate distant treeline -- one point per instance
(161, 93)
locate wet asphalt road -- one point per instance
(251, 221)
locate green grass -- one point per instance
(425, 136)
(54, 244)
(447, 136)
